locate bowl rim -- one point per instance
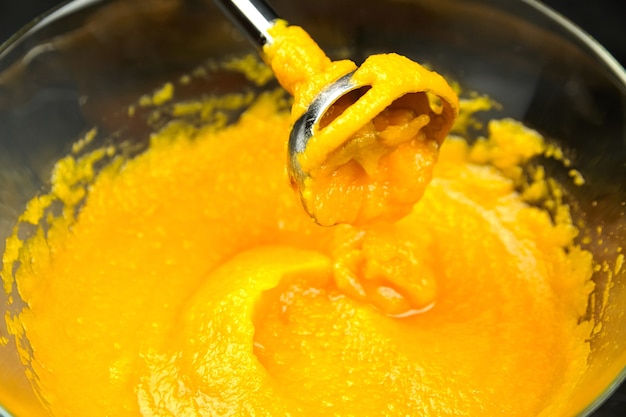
(584, 37)
(65, 7)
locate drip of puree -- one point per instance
(192, 283)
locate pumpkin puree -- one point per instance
(191, 282)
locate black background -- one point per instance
(605, 20)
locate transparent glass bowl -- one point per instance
(83, 64)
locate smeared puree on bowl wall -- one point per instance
(188, 281)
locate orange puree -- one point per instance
(192, 283)
(188, 281)
(372, 159)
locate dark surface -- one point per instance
(602, 19)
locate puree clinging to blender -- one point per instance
(191, 282)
